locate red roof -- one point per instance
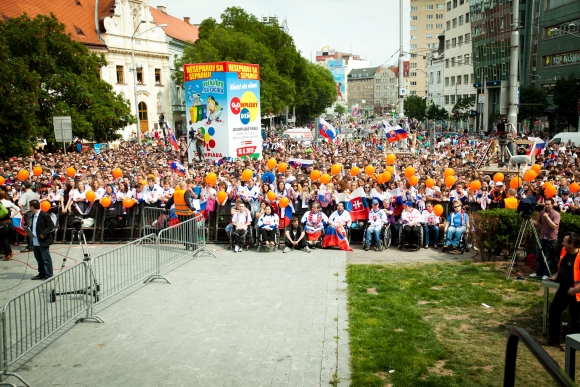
(176, 28)
(77, 15)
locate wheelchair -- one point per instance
(465, 243)
(317, 243)
(259, 243)
(249, 242)
(407, 245)
(385, 236)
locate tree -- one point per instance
(533, 102)
(436, 113)
(566, 95)
(287, 79)
(461, 111)
(339, 110)
(415, 107)
(45, 73)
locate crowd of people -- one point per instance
(150, 173)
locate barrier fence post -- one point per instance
(157, 274)
(91, 295)
(199, 225)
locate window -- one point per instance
(413, 65)
(459, 79)
(413, 28)
(414, 9)
(459, 60)
(446, 62)
(454, 22)
(461, 2)
(429, 7)
(466, 79)
(472, 79)
(157, 76)
(454, 3)
(446, 81)
(429, 26)
(448, 24)
(491, 25)
(501, 23)
(413, 37)
(447, 43)
(467, 17)
(414, 18)
(467, 37)
(439, 26)
(460, 40)
(413, 56)
(140, 75)
(438, 77)
(453, 42)
(452, 62)
(461, 20)
(466, 58)
(429, 36)
(413, 46)
(449, 6)
(120, 75)
(452, 81)
(413, 74)
(453, 99)
(439, 16)
(439, 6)
(429, 17)
(413, 92)
(413, 83)
(431, 77)
(446, 100)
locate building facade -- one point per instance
(361, 88)
(459, 78)
(386, 87)
(427, 22)
(436, 85)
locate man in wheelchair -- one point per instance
(455, 226)
(377, 219)
(241, 220)
(314, 222)
(338, 227)
(411, 219)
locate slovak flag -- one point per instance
(178, 168)
(395, 133)
(173, 219)
(355, 203)
(324, 198)
(300, 163)
(285, 215)
(539, 148)
(336, 237)
(171, 136)
(326, 130)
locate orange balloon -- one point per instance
(391, 158)
(475, 185)
(369, 170)
(271, 196)
(91, 196)
(354, 171)
(429, 183)
(438, 209)
(550, 191)
(546, 184)
(574, 187)
(387, 176)
(449, 181)
(409, 171)
(448, 172)
(272, 163)
(45, 206)
(315, 175)
(530, 175)
(128, 202)
(211, 178)
(37, 171)
(222, 196)
(390, 169)
(71, 172)
(515, 182)
(23, 174)
(335, 169)
(106, 201)
(325, 179)
(414, 180)
(247, 175)
(284, 202)
(117, 173)
(282, 167)
(2, 180)
(380, 178)
(536, 168)
(498, 177)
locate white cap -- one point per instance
(499, 183)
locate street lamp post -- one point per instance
(401, 64)
(134, 69)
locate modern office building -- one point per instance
(436, 89)
(361, 89)
(459, 77)
(427, 22)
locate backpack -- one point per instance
(3, 211)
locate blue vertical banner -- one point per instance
(223, 101)
(337, 69)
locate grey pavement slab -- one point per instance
(241, 319)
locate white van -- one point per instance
(565, 136)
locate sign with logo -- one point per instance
(337, 70)
(563, 59)
(562, 29)
(223, 102)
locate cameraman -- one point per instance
(548, 221)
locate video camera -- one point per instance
(526, 206)
(191, 133)
(77, 223)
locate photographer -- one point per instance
(548, 221)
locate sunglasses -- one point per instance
(366, 186)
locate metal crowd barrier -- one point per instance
(30, 318)
(153, 220)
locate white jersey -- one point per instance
(411, 217)
(338, 218)
(430, 218)
(314, 220)
(377, 218)
(151, 194)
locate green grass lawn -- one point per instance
(426, 323)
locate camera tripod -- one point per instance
(92, 290)
(527, 223)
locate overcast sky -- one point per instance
(368, 28)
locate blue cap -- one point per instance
(375, 201)
(409, 203)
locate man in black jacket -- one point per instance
(42, 228)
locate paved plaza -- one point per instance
(243, 319)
